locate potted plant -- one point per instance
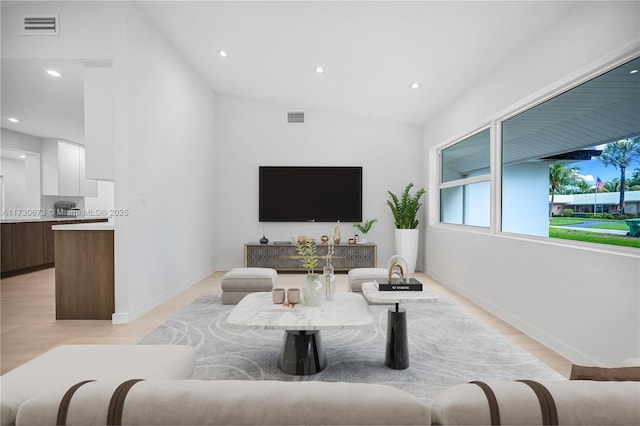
(364, 228)
(312, 293)
(405, 215)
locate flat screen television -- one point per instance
(310, 194)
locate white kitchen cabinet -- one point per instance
(63, 170)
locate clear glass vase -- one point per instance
(329, 277)
(313, 290)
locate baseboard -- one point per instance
(541, 336)
(122, 317)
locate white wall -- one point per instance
(104, 202)
(253, 133)
(163, 132)
(21, 177)
(171, 169)
(580, 300)
(15, 179)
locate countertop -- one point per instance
(25, 219)
(96, 226)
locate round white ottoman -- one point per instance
(239, 282)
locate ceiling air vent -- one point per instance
(295, 117)
(41, 25)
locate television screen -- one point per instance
(310, 194)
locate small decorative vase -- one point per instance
(336, 234)
(329, 277)
(312, 291)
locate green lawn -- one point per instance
(564, 221)
(619, 226)
(592, 237)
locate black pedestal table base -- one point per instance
(397, 349)
(302, 353)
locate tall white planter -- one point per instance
(407, 246)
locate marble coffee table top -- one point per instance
(371, 292)
(258, 312)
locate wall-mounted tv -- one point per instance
(310, 194)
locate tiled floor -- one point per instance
(29, 327)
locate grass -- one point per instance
(618, 226)
(564, 221)
(611, 223)
(592, 237)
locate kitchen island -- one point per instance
(84, 259)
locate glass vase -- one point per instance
(329, 286)
(312, 290)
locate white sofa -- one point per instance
(66, 365)
(34, 393)
(230, 402)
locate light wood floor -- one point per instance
(29, 327)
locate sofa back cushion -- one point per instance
(577, 402)
(224, 402)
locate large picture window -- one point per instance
(575, 157)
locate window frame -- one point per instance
(469, 180)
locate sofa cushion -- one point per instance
(578, 402)
(232, 402)
(581, 372)
(65, 365)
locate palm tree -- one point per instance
(612, 186)
(621, 154)
(559, 175)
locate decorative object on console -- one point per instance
(312, 293)
(364, 228)
(329, 275)
(264, 240)
(336, 233)
(405, 210)
(324, 239)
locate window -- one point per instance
(565, 137)
(556, 167)
(465, 181)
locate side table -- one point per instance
(397, 349)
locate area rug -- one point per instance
(448, 346)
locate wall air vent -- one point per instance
(295, 117)
(41, 25)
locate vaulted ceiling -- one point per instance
(371, 52)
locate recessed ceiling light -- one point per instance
(320, 70)
(54, 73)
(13, 120)
(633, 71)
(22, 156)
(415, 85)
(223, 53)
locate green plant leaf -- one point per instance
(405, 209)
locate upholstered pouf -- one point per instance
(239, 282)
(358, 276)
